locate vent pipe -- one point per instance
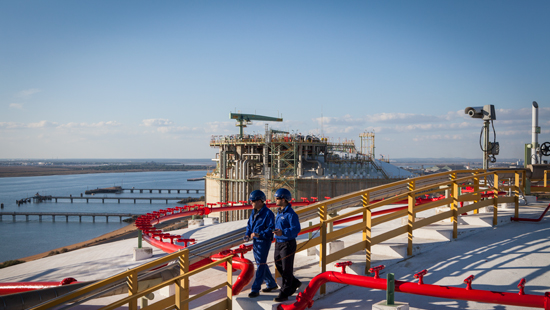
(534, 134)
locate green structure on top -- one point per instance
(246, 119)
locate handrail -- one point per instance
(368, 200)
(409, 189)
(181, 281)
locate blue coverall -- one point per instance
(261, 223)
(285, 248)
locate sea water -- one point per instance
(24, 238)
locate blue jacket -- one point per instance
(261, 223)
(287, 221)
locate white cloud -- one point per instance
(27, 93)
(156, 122)
(90, 125)
(16, 106)
(14, 125)
(42, 124)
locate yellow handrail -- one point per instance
(406, 189)
(181, 299)
(410, 188)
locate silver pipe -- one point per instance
(534, 133)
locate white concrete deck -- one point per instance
(499, 257)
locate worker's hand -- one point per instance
(246, 238)
(278, 232)
(254, 235)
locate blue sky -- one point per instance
(145, 79)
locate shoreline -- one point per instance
(33, 171)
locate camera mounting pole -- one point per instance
(486, 145)
(487, 113)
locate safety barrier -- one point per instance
(368, 200)
(545, 187)
(181, 298)
(410, 189)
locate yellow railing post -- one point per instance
(476, 190)
(229, 284)
(412, 201)
(454, 206)
(323, 246)
(182, 285)
(132, 281)
(524, 182)
(516, 194)
(495, 199)
(367, 222)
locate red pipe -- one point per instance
(518, 219)
(18, 287)
(305, 298)
(246, 275)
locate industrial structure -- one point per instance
(307, 165)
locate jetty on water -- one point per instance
(66, 215)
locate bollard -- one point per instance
(390, 290)
(140, 237)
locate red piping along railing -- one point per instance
(305, 298)
(19, 287)
(419, 201)
(150, 233)
(145, 224)
(519, 219)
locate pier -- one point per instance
(168, 190)
(66, 215)
(72, 199)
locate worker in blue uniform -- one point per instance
(287, 227)
(260, 229)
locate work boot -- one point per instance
(269, 289)
(253, 294)
(280, 298)
(296, 287)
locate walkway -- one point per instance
(499, 257)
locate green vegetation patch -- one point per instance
(10, 263)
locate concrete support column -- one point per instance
(330, 226)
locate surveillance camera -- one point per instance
(474, 112)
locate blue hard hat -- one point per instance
(284, 194)
(257, 194)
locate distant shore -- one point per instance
(33, 171)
